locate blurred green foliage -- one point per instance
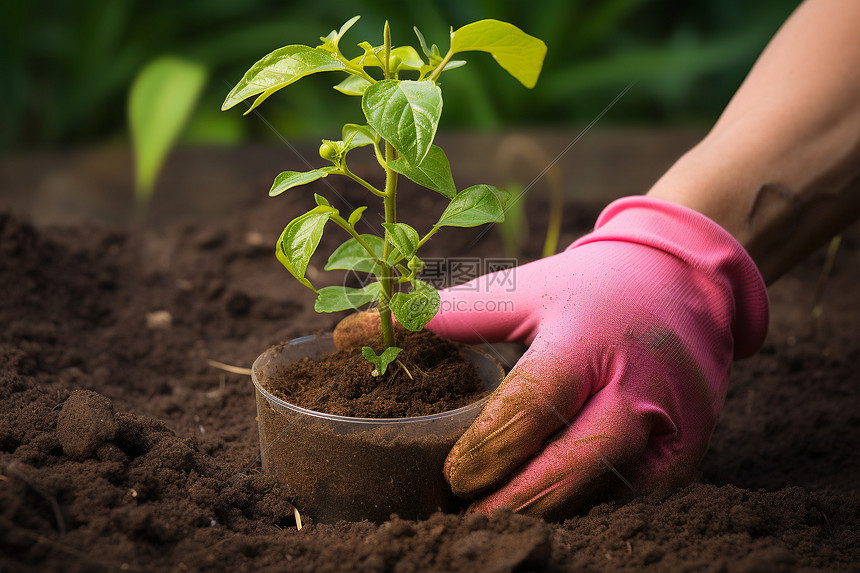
(67, 66)
(162, 98)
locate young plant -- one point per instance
(401, 115)
(382, 361)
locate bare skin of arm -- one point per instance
(780, 170)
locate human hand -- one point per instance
(632, 331)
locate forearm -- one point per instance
(781, 168)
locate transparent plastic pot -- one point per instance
(341, 468)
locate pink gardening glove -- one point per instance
(632, 332)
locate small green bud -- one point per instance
(329, 151)
(416, 264)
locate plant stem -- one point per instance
(352, 68)
(344, 224)
(386, 282)
(435, 75)
(426, 237)
(379, 158)
(361, 181)
(356, 71)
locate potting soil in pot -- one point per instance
(430, 376)
(353, 468)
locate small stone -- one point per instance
(86, 423)
(159, 320)
(256, 239)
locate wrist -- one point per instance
(713, 182)
(777, 216)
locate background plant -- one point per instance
(67, 66)
(161, 100)
(402, 115)
(512, 151)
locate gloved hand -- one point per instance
(632, 332)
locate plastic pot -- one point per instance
(343, 468)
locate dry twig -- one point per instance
(229, 368)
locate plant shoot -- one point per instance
(401, 99)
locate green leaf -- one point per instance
(161, 100)
(359, 135)
(454, 64)
(434, 172)
(300, 239)
(337, 298)
(279, 69)
(415, 308)
(409, 58)
(432, 53)
(370, 57)
(517, 52)
(351, 256)
(382, 361)
(474, 206)
(290, 179)
(403, 237)
(405, 113)
(451, 65)
(331, 41)
(355, 216)
(353, 85)
(427, 51)
(321, 201)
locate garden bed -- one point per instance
(171, 481)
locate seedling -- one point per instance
(402, 115)
(382, 361)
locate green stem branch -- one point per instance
(379, 158)
(354, 69)
(344, 224)
(426, 237)
(435, 75)
(361, 181)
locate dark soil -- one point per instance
(121, 448)
(433, 378)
